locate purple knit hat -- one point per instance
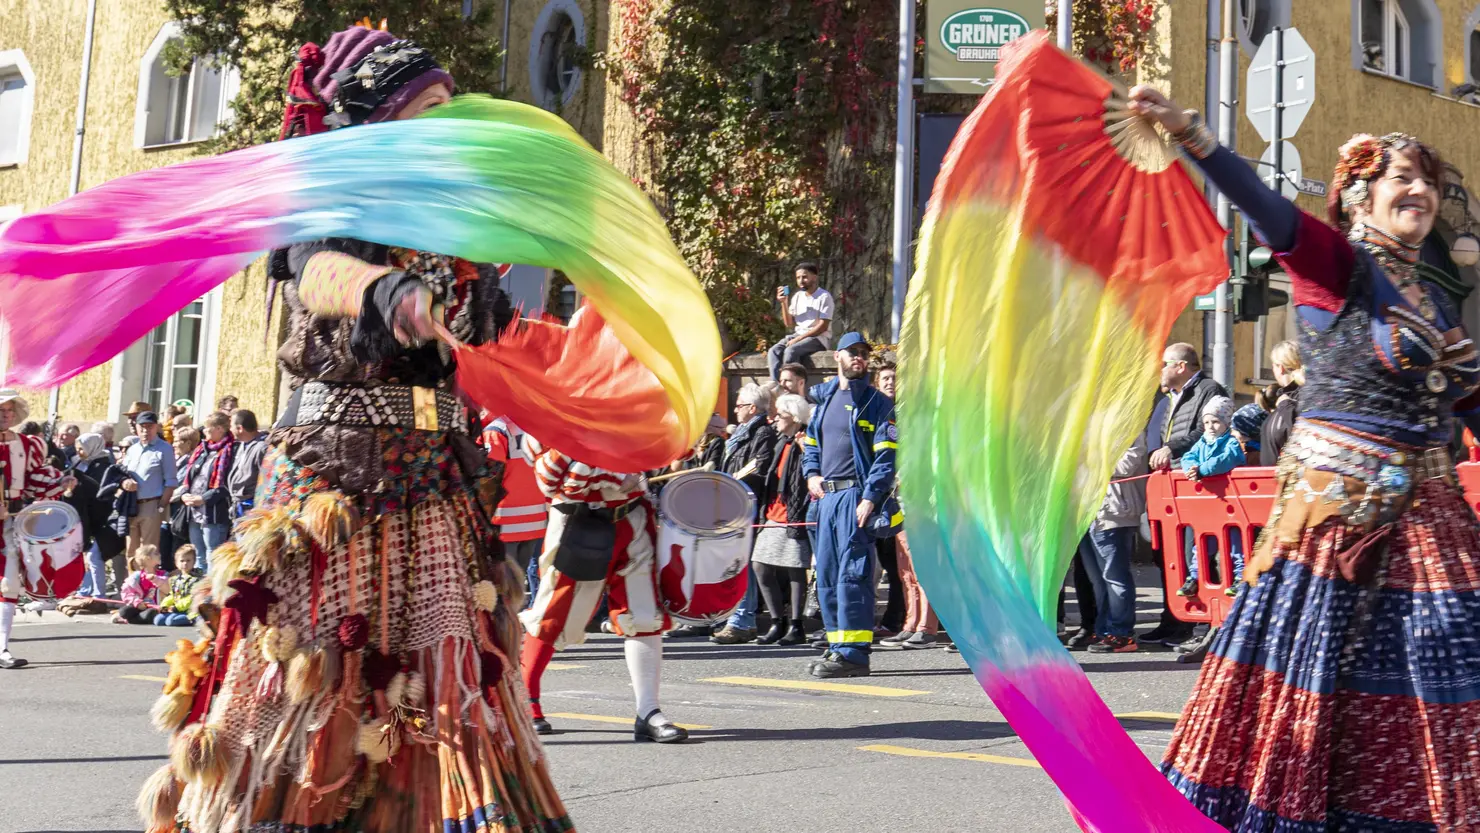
(402, 71)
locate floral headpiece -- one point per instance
(1362, 159)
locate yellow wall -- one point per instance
(1347, 101)
(585, 111)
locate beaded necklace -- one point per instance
(1399, 260)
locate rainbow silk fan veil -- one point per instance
(1061, 242)
(630, 386)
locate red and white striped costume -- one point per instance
(563, 606)
(521, 515)
(26, 477)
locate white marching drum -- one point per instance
(704, 540)
(48, 535)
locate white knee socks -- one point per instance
(7, 618)
(645, 666)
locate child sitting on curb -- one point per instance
(174, 611)
(142, 588)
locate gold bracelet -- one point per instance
(1196, 138)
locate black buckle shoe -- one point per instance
(645, 729)
(8, 661)
(543, 727)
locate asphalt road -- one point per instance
(917, 746)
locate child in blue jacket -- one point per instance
(1216, 452)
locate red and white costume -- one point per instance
(522, 514)
(563, 606)
(27, 477)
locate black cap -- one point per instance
(147, 418)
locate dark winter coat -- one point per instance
(755, 440)
(1184, 424)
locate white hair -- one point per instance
(797, 407)
(756, 395)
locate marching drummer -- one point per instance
(26, 477)
(600, 538)
(849, 465)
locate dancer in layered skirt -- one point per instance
(1343, 690)
(360, 669)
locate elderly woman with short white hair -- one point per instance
(782, 551)
(748, 457)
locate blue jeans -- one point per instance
(1107, 559)
(206, 538)
(1235, 551)
(744, 615)
(94, 581)
(796, 350)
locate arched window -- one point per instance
(1472, 49)
(555, 46)
(1399, 38)
(189, 107)
(1257, 18)
(17, 97)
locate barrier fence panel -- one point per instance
(1206, 520)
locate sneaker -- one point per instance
(1115, 645)
(40, 605)
(952, 649)
(733, 636)
(919, 641)
(1198, 643)
(690, 631)
(1171, 637)
(1188, 645)
(896, 640)
(837, 667)
(820, 644)
(1188, 588)
(1080, 639)
(8, 661)
(1231, 591)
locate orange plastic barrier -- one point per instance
(1209, 516)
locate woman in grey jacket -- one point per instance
(1107, 548)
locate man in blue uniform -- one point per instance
(849, 465)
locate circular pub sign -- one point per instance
(980, 34)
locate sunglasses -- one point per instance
(857, 352)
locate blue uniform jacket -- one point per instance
(875, 439)
(1220, 456)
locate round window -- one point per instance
(555, 70)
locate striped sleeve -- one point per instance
(550, 471)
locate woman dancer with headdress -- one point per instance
(361, 670)
(1343, 690)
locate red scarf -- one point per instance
(225, 450)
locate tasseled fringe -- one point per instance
(305, 675)
(485, 596)
(197, 755)
(262, 537)
(159, 801)
(395, 690)
(378, 740)
(415, 692)
(170, 710)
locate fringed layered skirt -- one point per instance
(1327, 706)
(358, 672)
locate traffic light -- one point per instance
(1252, 295)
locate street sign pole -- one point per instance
(1223, 301)
(1279, 107)
(904, 163)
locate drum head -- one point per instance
(708, 503)
(46, 520)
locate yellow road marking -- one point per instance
(1172, 717)
(563, 666)
(602, 718)
(144, 678)
(800, 685)
(960, 756)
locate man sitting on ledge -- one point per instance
(809, 313)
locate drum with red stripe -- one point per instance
(704, 540)
(49, 540)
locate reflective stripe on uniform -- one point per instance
(865, 425)
(809, 441)
(515, 529)
(838, 637)
(885, 444)
(512, 511)
(897, 518)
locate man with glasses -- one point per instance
(1188, 390)
(849, 465)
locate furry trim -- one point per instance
(226, 562)
(279, 644)
(263, 537)
(377, 741)
(170, 710)
(485, 596)
(415, 691)
(197, 755)
(396, 690)
(159, 801)
(305, 675)
(329, 518)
